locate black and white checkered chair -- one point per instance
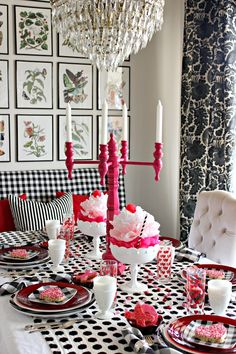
(43, 184)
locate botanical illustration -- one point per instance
(34, 84)
(114, 87)
(33, 31)
(3, 29)
(4, 138)
(75, 85)
(34, 137)
(115, 126)
(81, 136)
(65, 49)
(33, 87)
(4, 84)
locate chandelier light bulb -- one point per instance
(107, 31)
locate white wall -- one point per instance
(156, 74)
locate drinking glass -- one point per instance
(219, 293)
(109, 267)
(104, 288)
(165, 257)
(195, 287)
(52, 228)
(56, 250)
(67, 234)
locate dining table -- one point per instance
(93, 336)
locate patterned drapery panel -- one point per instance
(208, 114)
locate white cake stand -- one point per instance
(134, 257)
(94, 229)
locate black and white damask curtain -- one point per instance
(208, 116)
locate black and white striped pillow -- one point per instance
(31, 214)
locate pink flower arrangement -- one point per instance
(128, 225)
(95, 207)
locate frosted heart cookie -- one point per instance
(215, 274)
(215, 333)
(53, 294)
(19, 254)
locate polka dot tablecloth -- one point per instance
(103, 336)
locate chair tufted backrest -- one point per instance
(213, 230)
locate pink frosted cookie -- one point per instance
(52, 295)
(143, 315)
(19, 253)
(215, 274)
(214, 333)
(85, 277)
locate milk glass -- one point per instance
(104, 288)
(219, 293)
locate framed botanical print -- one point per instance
(114, 86)
(34, 137)
(82, 137)
(4, 49)
(33, 84)
(75, 85)
(33, 30)
(4, 138)
(115, 126)
(4, 84)
(65, 50)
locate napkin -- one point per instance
(188, 254)
(15, 285)
(137, 342)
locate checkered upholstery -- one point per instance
(43, 184)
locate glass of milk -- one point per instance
(219, 293)
(104, 288)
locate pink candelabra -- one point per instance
(109, 164)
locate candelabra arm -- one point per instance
(103, 165)
(124, 155)
(69, 158)
(157, 163)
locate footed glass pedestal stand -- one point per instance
(95, 230)
(134, 257)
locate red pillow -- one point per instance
(6, 218)
(77, 200)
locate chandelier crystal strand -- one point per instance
(107, 31)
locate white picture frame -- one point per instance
(5, 138)
(34, 137)
(114, 86)
(4, 30)
(33, 30)
(69, 88)
(4, 84)
(82, 136)
(34, 84)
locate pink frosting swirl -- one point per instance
(94, 208)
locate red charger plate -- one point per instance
(173, 333)
(42, 254)
(82, 296)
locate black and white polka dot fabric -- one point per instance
(43, 184)
(20, 238)
(105, 336)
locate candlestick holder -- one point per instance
(109, 164)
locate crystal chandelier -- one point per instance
(107, 31)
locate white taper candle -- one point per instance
(125, 123)
(104, 123)
(68, 122)
(159, 122)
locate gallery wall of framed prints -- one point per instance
(39, 73)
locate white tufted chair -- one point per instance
(213, 230)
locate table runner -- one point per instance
(100, 336)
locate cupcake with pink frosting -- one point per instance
(134, 228)
(93, 214)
